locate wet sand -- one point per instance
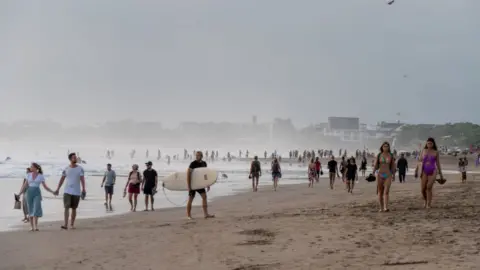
(294, 228)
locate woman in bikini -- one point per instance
(385, 167)
(430, 167)
(312, 173)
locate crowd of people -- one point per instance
(385, 166)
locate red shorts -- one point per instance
(134, 188)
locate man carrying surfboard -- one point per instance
(197, 163)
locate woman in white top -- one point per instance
(133, 185)
(34, 196)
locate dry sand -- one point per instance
(294, 228)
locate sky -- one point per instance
(91, 61)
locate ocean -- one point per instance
(53, 159)
(15, 158)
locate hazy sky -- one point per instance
(200, 60)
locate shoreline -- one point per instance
(122, 203)
(293, 228)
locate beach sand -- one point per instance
(294, 228)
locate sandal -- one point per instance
(209, 216)
(64, 227)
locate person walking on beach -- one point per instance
(430, 167)
(23, 190)
(255, 173)
(318, 169)
(312, 173)
(332, 171)
(402, 167)
(351, 174)
(75, 177)
(276, 173)
(108, 181)
(34, 196)
(343, 168)
(133, 185)
(462, 167)
(385, 166)
(197, 163)
(363, 165)
(149, 185)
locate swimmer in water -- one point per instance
(385, 166)
(430, 167)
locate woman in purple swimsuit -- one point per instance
(430, 166)
(385, 166)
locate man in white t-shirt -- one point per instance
(74, 175)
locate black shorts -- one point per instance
(109, 190)
(148, 190)
(199, 191)
(350, 178)
(70, 201)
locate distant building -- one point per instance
(321, 127)
(388, 129)
(282, 129)
(345, 128)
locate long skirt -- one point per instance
(24, 204)
(34, 202)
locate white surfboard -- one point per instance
(201, 178)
